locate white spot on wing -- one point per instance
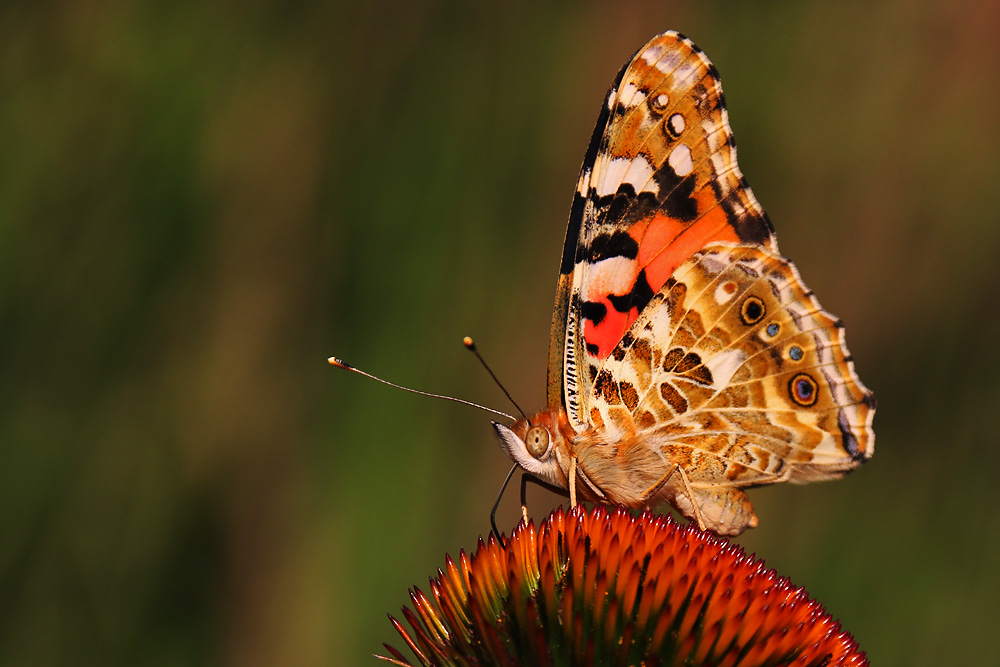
(677, 123)
(652, 54)
(686, 73)
(659, 322)
(715, 134)
(721, 295)
(636, 172)
(723, 365)
(661, 58)
(630, 95)
(680, 160)
(614, 275)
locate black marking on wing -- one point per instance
(613, 207)
(593, 311)
(751, 228)
(607, 245)
(572, 233)
(700, 374)
(673, 398)
(623, 207)
(688, 362)
(679, 203)
(638, 298)
(606, 387)
(674, 198)
(672, 358)
(630, 397)
(593, 149)
(850, 442)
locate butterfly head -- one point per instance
(538, 445)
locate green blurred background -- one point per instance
(201, 201)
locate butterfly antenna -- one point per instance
(471, 345)
(334, 361)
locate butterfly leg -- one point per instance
(694, 503)
(524, 496)
(655, 489)
(496, 503)
(527, 477)
(572, 482)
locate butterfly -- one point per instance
(688, 361)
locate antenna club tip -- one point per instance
(469, 343)
(334, 361)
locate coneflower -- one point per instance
(603, 587)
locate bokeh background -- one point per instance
(201, 201)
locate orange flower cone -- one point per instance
(603, 587)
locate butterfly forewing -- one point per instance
(660, 181)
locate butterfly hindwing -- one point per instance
(734, 371)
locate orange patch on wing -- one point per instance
(664, 244)
(610, 330)
(657, 233)
(667, 243)
(610, 276)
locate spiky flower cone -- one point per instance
(599, 587)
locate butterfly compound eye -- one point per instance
(537, 441)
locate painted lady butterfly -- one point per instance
(688, 360)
